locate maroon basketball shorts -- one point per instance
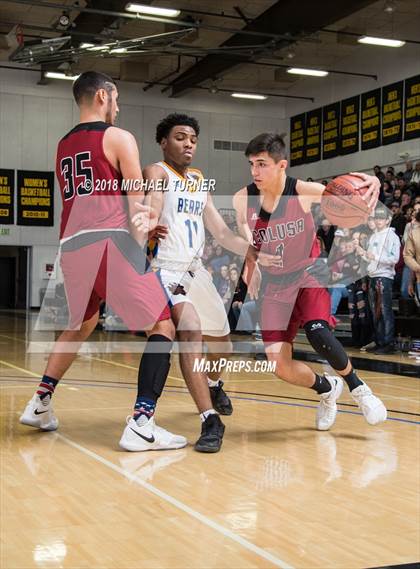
(110, 266)
(285, 309)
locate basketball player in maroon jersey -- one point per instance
(101, 260)
(274, 213)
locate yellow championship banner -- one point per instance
(392, 113)
(330, 131)
(412, 108)
(7, 196)
(35, 198)
(370, 119)
(349, 125)
(297, 140)
(313, 135)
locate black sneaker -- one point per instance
(221, 402)
(211, 435)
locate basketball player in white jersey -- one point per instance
(185, 208)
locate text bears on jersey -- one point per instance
(193, 207)
(279, 231)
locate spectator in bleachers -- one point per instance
(408, 171)
(412, 248)
(358, 302)
(238, 293)
(406, 198)
(388, 192)
(407, 272)
(379, 174)
(415, 178)
(207, 254)
(371, 225)
(326, 234)
(220, 258)
(389, 177)
(223, 285)
(383, 253)
(398, 221)
(397, 195)
(400, 184)
(337, 263)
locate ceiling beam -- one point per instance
(286, 18)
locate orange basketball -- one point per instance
(342, 203)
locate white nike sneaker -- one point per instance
(371, 406)
(39, 413)
(327, 408)
(149, 437)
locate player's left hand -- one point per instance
(145, 220)
(373, 185)
(159, 232)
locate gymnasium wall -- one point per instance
(389, 65)
(33, 118)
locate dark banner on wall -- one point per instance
(349, 125)
(35, 198)
(392, 113)
(330, 130)
(7, 196)
(371, 119)
(297, 140)
(412, 108)
(313, 135)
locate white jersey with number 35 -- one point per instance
(182, 213)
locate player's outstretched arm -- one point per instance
(156, 180)
(225, 237)
(313, 190)
(240, 205)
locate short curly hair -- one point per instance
(166, 125)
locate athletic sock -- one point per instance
(213, 383)
(352, 380)
(205, 414)
(144, 409)
(46, 387)
(321, 385)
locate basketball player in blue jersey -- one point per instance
(274, 213)
(185, 209)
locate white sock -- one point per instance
(205, 414)
(213, 383)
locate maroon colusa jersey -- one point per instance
(288, 232)
(90, 186)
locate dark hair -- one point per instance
(175, 119)
(270, 142)
(89, 83)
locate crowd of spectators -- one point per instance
(368, 265)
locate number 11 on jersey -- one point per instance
(188, 223)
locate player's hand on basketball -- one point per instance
(145, 220)
(373, 185)
(159, 232)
